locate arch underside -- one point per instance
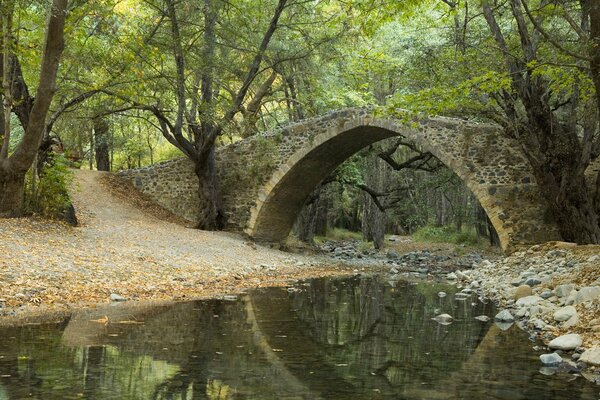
(285, 200)
(282, 198)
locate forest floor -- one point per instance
(48, 268)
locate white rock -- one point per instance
(117, 297)
(564, 313)
(528, 301)
(570, 300)
(566, 342)
(442, 294)
(588, 293)
(594, 258)
(571, 322)
(538, 324)
(551, 359)
(482, 318)
(563, 290)
(444, 319)
(591, 356)
(504, 316)
(522, 312)
(451, 276)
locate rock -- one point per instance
(230, 297)
(571, 322)
(462, 275)
(570, 300)
(451, 276)
(117, 297)
(594, 258)
(485, 264)
(392, 254)
(442, 294)
(563, 314)
(551, 359)
(588, 293)
(522, 312)
(546, 294)
(504, 316)
(522, 291)
(516, 282)
(444, 319)
(528, 301)
(563, 290)
(538, 324)
(533, 281)
(482, 318)
(566, 342)
(591, 356)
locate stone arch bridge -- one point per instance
(267, 178)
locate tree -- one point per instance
(13, 167)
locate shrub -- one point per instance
(48, 195)
(446, 234)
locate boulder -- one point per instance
(566, 342)
(591, 356)
(588, 293)
(522, 291)
(528, 301)
(504, 316)
(563, 314)
(563, 290)
(551, 359)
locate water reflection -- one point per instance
(357, 338)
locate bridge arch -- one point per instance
(266, 178)
(491, 166)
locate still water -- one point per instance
(353, 338)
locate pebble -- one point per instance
(563, 290)
(566, 342)
(588, 293)
(522, 291)
(117, 297)
(528, 301)
(551, 359)
(482, 318)
(444, 319)
(591, 356)
(504, 316)
(565, 313)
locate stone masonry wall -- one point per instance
(253, 171)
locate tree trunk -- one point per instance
(574, 211)
(211, 212)
(101, 140)
(12, 189)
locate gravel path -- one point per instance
(46, 265)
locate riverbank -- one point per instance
(119, 252)
(553, 292)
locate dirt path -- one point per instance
(117, 249)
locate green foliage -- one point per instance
(48, 195)
(447, 234)
(339, 234)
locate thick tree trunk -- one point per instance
(101, 140)
(574, 211)
(12, 191)
(211, 207)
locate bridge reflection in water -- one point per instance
(358, 338)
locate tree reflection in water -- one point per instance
(356, 338)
